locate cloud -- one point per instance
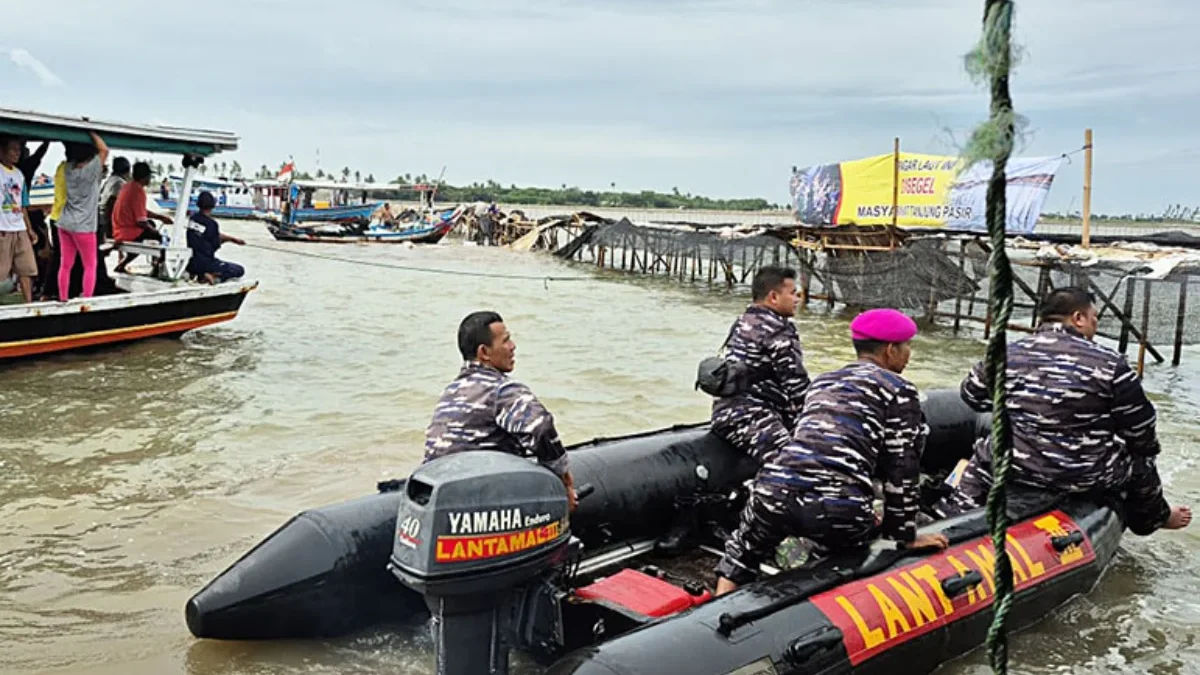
(24, 59)
(714, 96)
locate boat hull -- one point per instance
(219, 211)
(872, 614)
(635, 479)
(423, 235)
(42, 328)
(324, 572)
(876, 610)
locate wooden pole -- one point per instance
(1087, 188)
(1179, 318)
(958, 291)
(1123, 343)
(805, 279)
(895, 191)
(1145, 336)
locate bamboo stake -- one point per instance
(1087, 187)
(895, 192)
(1179, 320)
(1145, 336)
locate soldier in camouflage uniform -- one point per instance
(1081, 422)
(485, 410)
(860, 422)
(759, 420)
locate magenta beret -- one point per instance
(885, 325)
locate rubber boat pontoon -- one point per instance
(484, 542)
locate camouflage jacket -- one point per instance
(769, 346)
(485, 410)
(1077, 411)
(859, 423)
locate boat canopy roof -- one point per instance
(37, 126)
(360, 187)
(202, 182)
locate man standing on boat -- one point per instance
(1081, 422)
(764, 344)
(16, 233)
(485, 410)
(860, 422)
(204, 238)
(131, 220)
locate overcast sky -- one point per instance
(715, 97)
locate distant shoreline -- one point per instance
(1055, 223)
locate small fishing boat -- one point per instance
(235, 198)
(300, 207)
(483, 542)
(139, 306)
(350, 213)
(429, 230)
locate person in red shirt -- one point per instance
(130, 219)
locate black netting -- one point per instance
(691, 252)
(928, 275)
(910, 277)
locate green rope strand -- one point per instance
(992, 62)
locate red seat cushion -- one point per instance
(640, 593)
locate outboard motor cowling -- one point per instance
(473, 530)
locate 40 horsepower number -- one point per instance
(409, 531)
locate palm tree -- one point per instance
(370, 178)
(345, 174)
(357, 177)
(170, 169)
(320, 173)
(203, 169)
(263, 172)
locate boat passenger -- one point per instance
(860, 422)
(81, 214)
(42, 252)
(17, 237)
(204, 237)
(30, 161)
(759, 419)
(109, 192)
(131, 220)
(482, 409)
(1081, 422)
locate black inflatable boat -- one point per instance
(622, 585)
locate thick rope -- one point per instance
(991, 61)
(413, 268)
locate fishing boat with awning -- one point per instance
(235, 198)
(138, 305)
(368, 221)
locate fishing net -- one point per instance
(926, 274)
(724, 253)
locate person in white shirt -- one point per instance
(16, 234)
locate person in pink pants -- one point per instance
(81, 214)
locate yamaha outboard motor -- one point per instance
(474, 531)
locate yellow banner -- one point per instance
(932, 191)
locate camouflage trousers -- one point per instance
(1141, 495)
(757, 431)
(771, 515)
